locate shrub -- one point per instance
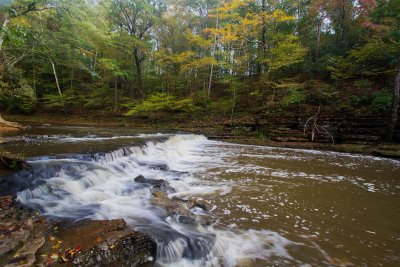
(381, 101)
(160, 102)
(295, 96)
(20, 99)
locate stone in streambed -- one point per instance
(123, 249)
(157, 184)
(200, 204)
(175, 207)
(21, 234)
(25, 256)
(159, 167)
(169, 206)
(11, 162)
(102, 243)
(245, 263)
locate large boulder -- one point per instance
(27, 239)
(21, 234)
(98, 243)
(119, 248)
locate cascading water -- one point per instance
(267, 206)
(102, 186)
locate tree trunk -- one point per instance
(94, 61)
(319, 26)
(213, 54)
(395, 106)
(263, 37)
(233, 104)
(116, 94)
(138, 69)
(3, 33)
(57, 83)
(34, 80)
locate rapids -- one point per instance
(273, 206)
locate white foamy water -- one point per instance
(102, 186)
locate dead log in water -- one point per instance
(12, 125)
(9, 161)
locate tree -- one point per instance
(136, 18)
(17, 9)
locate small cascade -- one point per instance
(121, 184)
(209, 203)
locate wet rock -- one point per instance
(159, 167)
(245, 263)
(186, 219)
(6, 202)
(21, 234)
(169, 206)
(140, 179)
(179, 173)
(25, 256)
(183, 200)
(122, 249)
(178, 209)
(200, 204)
(157, 185)
(10, 162)
(99, 243)
(25, 236)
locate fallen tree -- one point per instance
(14, 125)
(10, 161)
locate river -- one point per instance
(271, 206)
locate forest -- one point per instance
(199, 133)
(163, 59)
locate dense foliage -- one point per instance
(195, 57)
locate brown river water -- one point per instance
(273, 206)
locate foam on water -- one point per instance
(102, 186)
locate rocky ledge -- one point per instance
(28, 239)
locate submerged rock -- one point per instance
(176, 208)
(200, 204)
(10, 162)
(159, 167)
(169, 206)
(247, 262)
(158, 185)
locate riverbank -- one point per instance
(242, 130)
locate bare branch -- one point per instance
(315, 128)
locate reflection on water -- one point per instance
(274, 206)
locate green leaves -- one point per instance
(376, 58)
(161, 102)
